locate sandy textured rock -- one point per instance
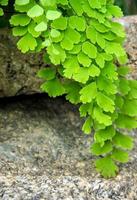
(130, 24)
(18, 71)
(45, 156)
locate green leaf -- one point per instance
(109, 36)
(93, 71)
(123, 141)
(39, 45)
(35, 11)
(4, 2)
(101, 41)
(107, 57)
(46, 43)
(47, 73)
(99, 26)
(105, 102)
(1, 12)
(20, 20)
(130, 107)
(124, 87)
(71, 37)
(123, 70)
(114, 116)
(109, 71)
(106, 85)
(100, 16)
(115, 48)
(118, 29)
(87, 126)
(124, 121)
(105, 134)
(67, 44)
(19, 31)
(98, 150)
(20, 2)
(76, 49)
(53, 87)
(48, 3)
(133, 89)
(88, 93)
(53, 14)
(54, 33)
(24, 8)
(115, 11)
(98, 126)
(83, 37)
(106, 167)
(91, 34)
(100, 61)
(103, 2)
(60, 23)
(56, 36)
(77, 23)
(95, 4)
(119, 101)
(26, 43)
(63, 2)
(120, 156)
(71, 66)
(31, 29)
(42, 26)
(56, 54)
(89, 49)
(123, 59)
(76, 5)
(88, 10)
(72, 90)
(101, 117)
(81, 75)
(84, 59)
(86, 109)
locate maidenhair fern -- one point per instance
(84, 49)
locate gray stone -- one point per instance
(18, 71)
(130, 24)
(45, 156)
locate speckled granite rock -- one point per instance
(130, 24)
(45, 156)
(18, 71)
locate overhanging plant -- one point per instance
(86, 63)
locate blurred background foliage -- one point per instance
(129, 7)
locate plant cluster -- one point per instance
(86, 63)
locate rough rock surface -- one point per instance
(130, 24)
(45, 156)
(18, 71)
